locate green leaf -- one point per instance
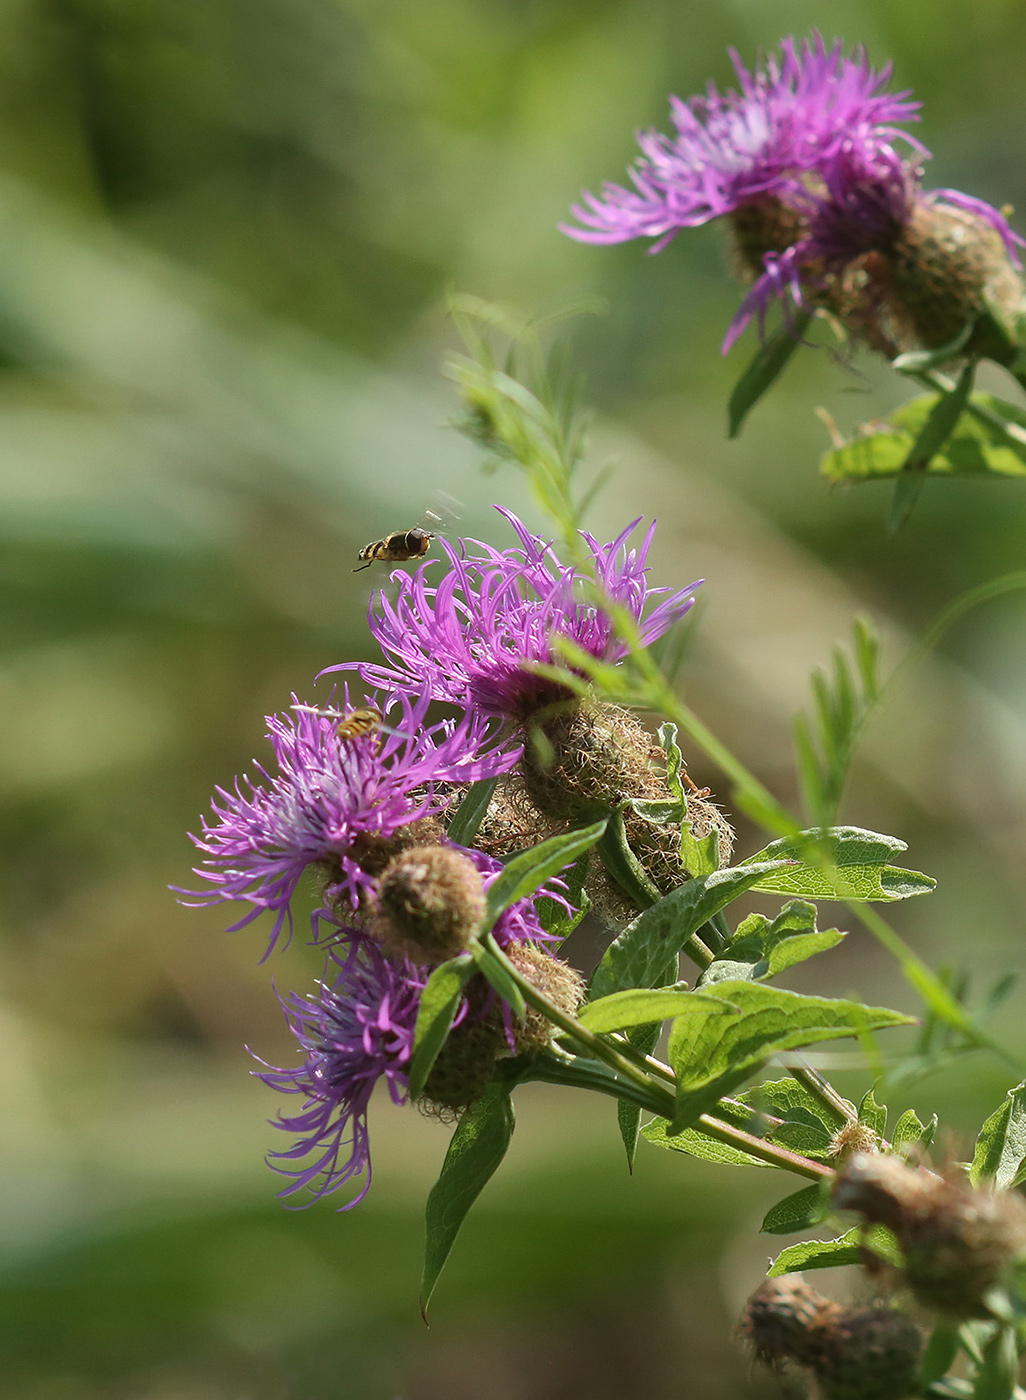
(805, 1208)
(478, 1146)
(855, 866)
(991, 445)
(640, 1007)
(552, 914)
(872, 1114)
(492, 965)
(940, 1353)
(1001, 1146)
(471, 812)
(643, 949)
(438, 1005)
(939, 425)
(624, 866)
(712, 1055)
(696, 1144)
(834, 1254)
(908, 1130)
(628, 1115)
(774, 946)
(698, 855)
(765, 366)
(523, 875)
(790, 1099)
(997, 1377)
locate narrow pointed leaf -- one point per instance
(439, 1002)
(628, 1115)
(478, 1146)
(765, 366)
(526, 872)
(624, 866)
(471, 812)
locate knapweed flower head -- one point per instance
(355, 1030)
(802, 160)
(741, 147)
(473, 634)
(328, 800)
(358, 1028)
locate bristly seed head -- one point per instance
(957, 1242)
(430, 904)
(854, 1353)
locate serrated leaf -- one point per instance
(872, 1114)
(469, 815)
(790, 1099)
(765, 366)
(975, 448)
(800, 1211)
(856, 866)
(641, 1007)
(907, 1131)
(711, 1056)
(696, 1144)
(834, 1254)
(478, 1146)
(439, 1002)
(526, 872)
(643, 949)
(1001, 1147)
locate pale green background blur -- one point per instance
(227, 228)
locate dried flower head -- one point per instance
(336, 803)
(473, 635)
(957, 1242)
(855, 1353)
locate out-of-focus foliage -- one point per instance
(226, 234)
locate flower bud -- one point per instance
(957, 1242)
(853, 1137)
(855, 1353)
(430, 903)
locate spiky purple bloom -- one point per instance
(324, 794)
(359, 1029)
(737, 148)
(473, 635)
(353, 1031)
(807, 141)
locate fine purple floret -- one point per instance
(473, 635)
(738, 147)
(324, 793)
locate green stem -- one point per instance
(640, 1087)
(822, 1090)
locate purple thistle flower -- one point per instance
(803, 155)
(325, 794)
(356, 1031)
(473, 635)
(353, 1032)
(742, 146)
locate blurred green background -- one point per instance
(227, 228)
